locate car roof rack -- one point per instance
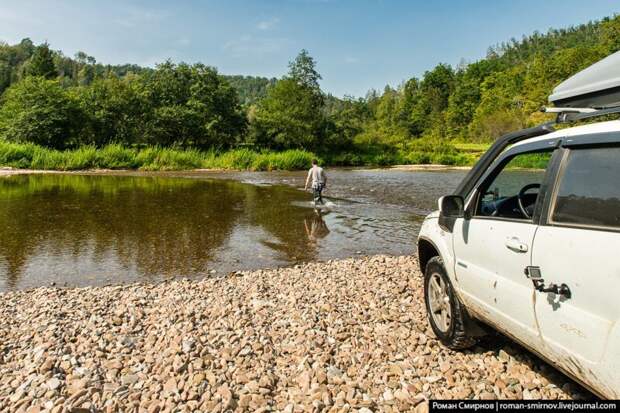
(567, 115)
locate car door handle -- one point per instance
(515, 244)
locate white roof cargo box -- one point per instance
(597, 86)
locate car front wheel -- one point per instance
(446, 314)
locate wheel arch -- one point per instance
(426, 250)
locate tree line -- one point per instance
(61, 102)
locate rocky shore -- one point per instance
(347, 335)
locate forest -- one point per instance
(59, 112)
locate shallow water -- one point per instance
(79, 230)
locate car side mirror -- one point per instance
(452, 206)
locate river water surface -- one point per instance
(79, 230)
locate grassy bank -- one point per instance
(400, 158)
(30, 156)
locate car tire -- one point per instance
(446, 313)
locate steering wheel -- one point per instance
(522, 195)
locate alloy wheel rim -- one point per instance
(439, 303)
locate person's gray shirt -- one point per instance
(317, 174)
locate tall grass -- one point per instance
(402, 157)
(29, 156)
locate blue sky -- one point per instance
(358, 44)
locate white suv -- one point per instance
(532, 252)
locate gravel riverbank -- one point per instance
(347, 335)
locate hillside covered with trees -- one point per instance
(50, 102)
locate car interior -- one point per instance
(512, 192)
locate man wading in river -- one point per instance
(319, 180)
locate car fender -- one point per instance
(432, 234)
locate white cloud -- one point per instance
(267, 24)
(351, 59)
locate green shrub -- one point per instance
(383, 159)
(40, 111)
(85, 157)
(417, 158)
(431, 146)
(235, 159)
(116, 156)
(16, 155)
(346, 159)
(44, 158)
(156, 158)
(147, 158)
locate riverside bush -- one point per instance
(346, 159)
(162, 159)
(115, 156)
(287, 160)
(155, 158)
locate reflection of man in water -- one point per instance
(319, 180)
(315, 226)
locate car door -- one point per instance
(493, 247)
(578, 245)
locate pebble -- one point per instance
(344, 335)
(129, 379)
(503, 356)
(53, 383)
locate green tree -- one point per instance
(292, 115)
(346, 119)
(42, 63)
(40, 111)
(115, 109)
(431, 100)
(250, 89)
(542, 74)
(5, 76)
(610, 34)
(12, 59)
(86, 75)
(303, 71)
(191, 106)
(288, 117)
(501, 105)
(466, 96)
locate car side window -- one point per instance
(512, 191)
(588, 191)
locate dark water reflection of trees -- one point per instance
(149, 225)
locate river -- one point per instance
(97, 229)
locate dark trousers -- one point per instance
(317, 192)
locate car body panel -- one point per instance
(579, 328)
(441, 241)
(491, 273)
